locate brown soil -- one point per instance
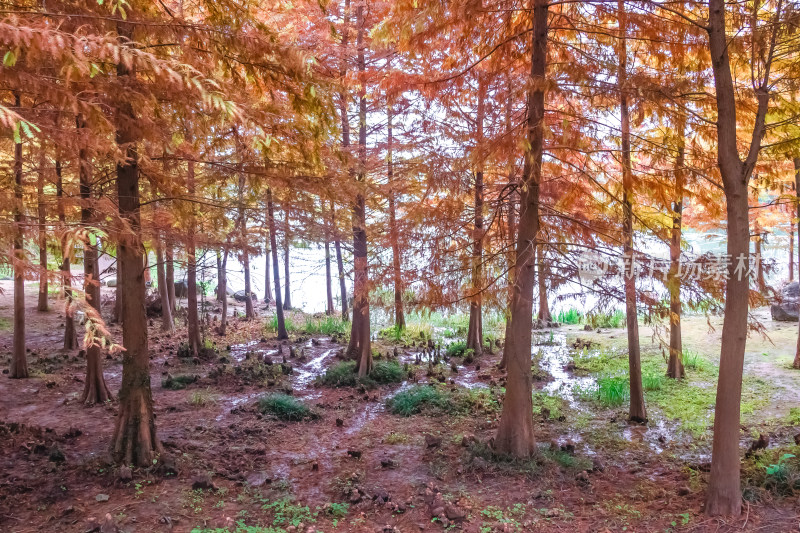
(55, 474)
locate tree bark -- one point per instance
(337, 245)
(796, 161)
(359, 348)
(70, 334)
(170, 273)
(19, 363)
(515, 432)
(675, 367)
(219, 275)
(637, 412)
(329, 310)
(134, 441)
(512, 226)
(223, 287)
(166, 313)
(724, 495)
(267, 281)
(394, 238)
(475, 328)
(282, 334)
(287, 241)
(192, 315)
(343, 112)
(42, 241)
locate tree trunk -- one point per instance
(512, 226)
(637, 412)
(359, 348)
(70, 335)
(515, 431)
(166, 313)
(544, 307)
(170, 275)
(287, 241)
(267, 282)
(282, 334)
(19, 364)
(192, 316)
(223, 288)
(249, 312)
(42, 210)
(475, 328)
(337, 245)
(724, 490)
(394, 238)
(791, 249)
(675, 368)
(217, 292)
(329, 310)
(135, 441)
(118, 296)
(796, 160)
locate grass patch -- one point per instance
(343, 374)
(178, 382)
(692, 360)
(614, 319)
(550, 407)
(201, 398)
(5, 324)
(396, 438)
(285, 407)
(652, 381)
(325, 325)
(271, 326)
(793, 418)
(772, 472)
(433, 400)
(571, 316)
(456, 349)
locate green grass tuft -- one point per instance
(343, 374)
(456, 349)
(178, 382)
(285, 407)
(435, 400)
(570, 316)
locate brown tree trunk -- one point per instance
(724, 495)
(192, 316)
(791, 249)
(19, 364)
(475, 328)
(512, 226)
(134, 441)
(675, 368)
(287, 241)
(796, 160)
(282, 334)
(223, 288)
(337, 245)
(394, 238)
(249, 312)
(267, 281)
(166, 313)
(170, 273)
(95, 389)
(359, 348)
(515, 432)
(42, 241)
(544, 307)
(118, 296)
(637, 412)
(329, 310)
(70, 335)
(217, 292)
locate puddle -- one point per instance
(554, 356)
(304, 376)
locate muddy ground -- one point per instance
(356, 466)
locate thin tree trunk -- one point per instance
(512, 227)
(287, 241)
(42, 210)
(399, 315)
(637, 412)
(134, 441)
(192, 316)
(166, 313)
(791, 249)
(95, 389)
(475, 328)
(70, 334)
(19, 364)
(223, 284)
(329, 310)
(267, 281)
(515, 432)
(675, 366)
(724, 495)
(359, 348)
(170, 274)
(219, 275)
(118, 296)
(282, 334)
(544, 307)
(249, 312)
(796, 160)
(337, 245)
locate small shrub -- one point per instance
(343, 374)
(793, 418)
(327, 325)
(396, 438)
(615, 319)
(456, 349)
(570, 316)
(201, 398)
(651, 382)
(418, 399)
(178, 382)
(692, 360)
(285, 407)
(385, 372)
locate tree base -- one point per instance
(135, 442)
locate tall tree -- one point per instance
(282, 333)
(42, 241)
(19, 364)
(475, 328)
(394, 237)
(70, 335)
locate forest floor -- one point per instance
(352, 463)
